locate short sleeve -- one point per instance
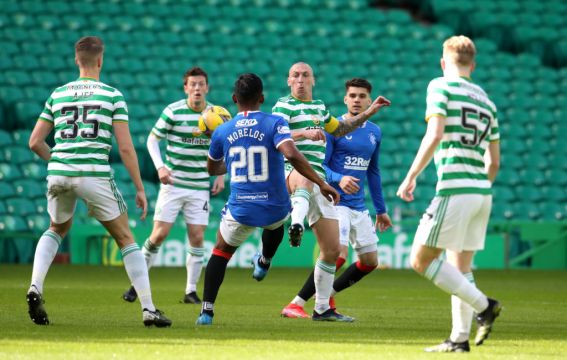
(164, 124)
(47, 113)
(494, 129)
(437, 98)
(215, 149)
(120, 113)
(281, 110)
(281, 131)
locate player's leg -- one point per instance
(444, 226)
(272, 237)
(476, 235)
(196, 214)
(108, 207)
(230, 236)
(194, 262)
(461, 312)
(327, 234)
(169, 202)
(295, 309)
(300, 189)
(362, 237)
(61, 201)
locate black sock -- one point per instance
(214, 276)
(308, 289)
(271, 240)
(348, 278)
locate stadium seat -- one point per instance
(30, 188)
(34, 170)
(9, 172)
(10, 223)
(17, 206)
(38, 223)
(18, 155)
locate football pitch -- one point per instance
(397, 314)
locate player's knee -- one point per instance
(370, 263)
(418, 264)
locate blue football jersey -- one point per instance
(356, 154)
(248, 144)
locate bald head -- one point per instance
(301, 81)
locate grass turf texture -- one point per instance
(397, 313)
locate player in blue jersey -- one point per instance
(250, 147)
(349, 160)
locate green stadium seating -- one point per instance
(18, 206)
(12, 224)
(30, 188)
(38, 223)
(9, 172)
(18, 155)
(34, 170)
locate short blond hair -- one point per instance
(88, 49)
(459, 50)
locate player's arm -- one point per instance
(492, 160)
(130, 160)
(300, 163)
(215, 161)
(432, 138)
(341, 128)
(37, 142)
(216, 167)
(164, 173)
(383, 221)
(218, 185)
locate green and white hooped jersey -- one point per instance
(82, 113)
(187, 146)
(306, 115)
(471, 122)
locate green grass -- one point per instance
(398, 314)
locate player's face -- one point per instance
(357, 99)
(301, 81)
(196, 89)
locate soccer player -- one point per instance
(250, 147)
(84, 114)
(348, 161)
(463, 137)
(308, 120)
(184, 179)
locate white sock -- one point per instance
(44, 254)
(324, 277)
(298, 301)
(138, 273)
(300, 204)
(194, 265)
(462, 315)
(150, 251)
(452, 281)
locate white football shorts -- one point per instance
(356, 228)
(455, 222)
(235, 233)
(193, 203)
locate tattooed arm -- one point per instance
(347, 125)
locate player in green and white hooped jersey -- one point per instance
(84, 114)
(462, 135)
(308, 118)
(184, 178)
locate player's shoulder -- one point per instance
(438, 82)
(370, 126)
(288, 99)
(177, 105)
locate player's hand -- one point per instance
(349, 184)
(406, 189)
(142, 203)
(314, 134)
(165, 176)
(218, 185)
(383, 222)
(377, 104)
(329, 193)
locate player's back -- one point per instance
(82, 113)
(470, 124)
(258, 195)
